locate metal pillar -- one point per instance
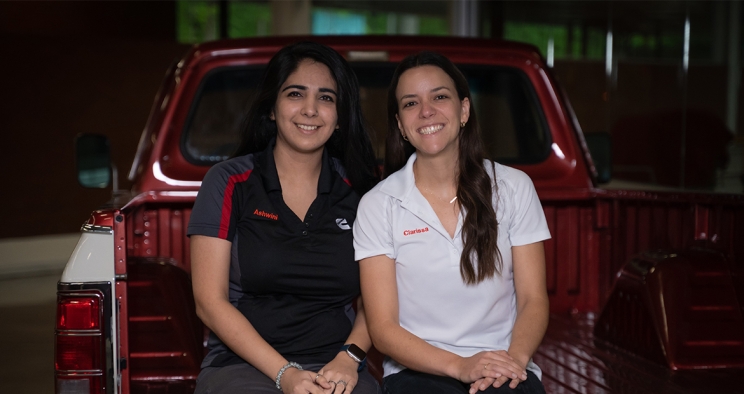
(464, 18)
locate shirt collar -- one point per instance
(270, 176)
(402, 182)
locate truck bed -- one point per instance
(574, 361)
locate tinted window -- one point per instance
(513, 126)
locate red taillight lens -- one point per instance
(78, 353)
(79, 343)
(79, 313)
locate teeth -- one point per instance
(307, 128)
(430, 129)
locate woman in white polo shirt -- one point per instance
(450, 247)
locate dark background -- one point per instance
(67, 68)
(94, 67)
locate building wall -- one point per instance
(69, 68)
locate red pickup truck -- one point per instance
(646, 288)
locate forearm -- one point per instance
(359, 334)
(241, 337)
(413, 352)
(529, 329)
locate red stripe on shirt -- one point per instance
(347, 181)
(227, 202)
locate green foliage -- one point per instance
(538, 35)
(249, 19)
(196, 21)
(433, 26)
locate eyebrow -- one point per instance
(301, 87)
(432, 91)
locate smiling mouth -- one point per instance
(306, 127)
(430, 129)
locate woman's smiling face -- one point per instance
(305, 109)
(430, 111)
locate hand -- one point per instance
(490, 364)
(483, 383)
(480, 385)
(339, 376)
(295, 381)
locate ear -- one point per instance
(400, 126)
(465, 115)
(271, 115)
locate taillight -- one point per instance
(79, 348)
(79, 313)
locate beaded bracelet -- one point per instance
(290, 364)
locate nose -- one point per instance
(427, 109)
(309, 108)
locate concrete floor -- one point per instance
(29, 270)
(27, 312)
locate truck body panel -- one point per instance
(158, 342)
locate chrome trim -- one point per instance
(78, 333)
(121, 277)
(79, 372)
(92, 228)
(105, 289)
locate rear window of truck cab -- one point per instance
(511, 120)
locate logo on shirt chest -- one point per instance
(415, 231)
(266, 215)
(343, 224)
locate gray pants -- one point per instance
(245, 379)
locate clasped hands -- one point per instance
(337, 377)
(491, 368)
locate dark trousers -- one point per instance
(243, 378)
(412, 382)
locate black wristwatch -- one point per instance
(356, 354)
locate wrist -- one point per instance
(454, 366)
(283, 370)
(355, 354)
(521, 359)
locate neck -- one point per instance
(293, 165)
(437, 173)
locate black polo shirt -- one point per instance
(293, 278)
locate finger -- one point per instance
(341, 387)
(500, 381)
(474, 386)
(323, 382)
(311, 388)
(509, 369)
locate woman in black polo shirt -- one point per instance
(271, 243)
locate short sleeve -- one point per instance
(527, 224)
(373, 234)
(213, 214)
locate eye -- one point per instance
(328, 98)
(294, 93)
(409, 104)
(441, 97)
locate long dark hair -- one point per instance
(474, 187)
(350, 143)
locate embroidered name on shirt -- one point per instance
(266, 215)
(415, 231)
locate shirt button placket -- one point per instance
(307, 224)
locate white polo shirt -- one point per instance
(394, 219)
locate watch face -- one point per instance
(356, 353)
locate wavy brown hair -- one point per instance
(475, 189)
